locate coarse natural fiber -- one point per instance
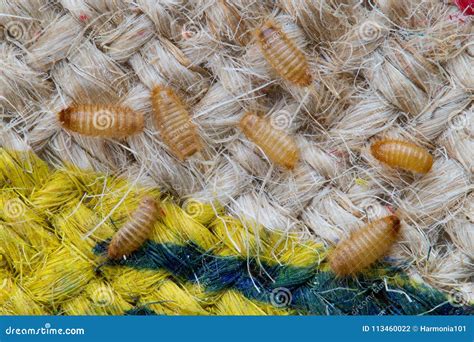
(382, 68)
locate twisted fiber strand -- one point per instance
(381, 69)
(197, 261)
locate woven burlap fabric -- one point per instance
(389, 68)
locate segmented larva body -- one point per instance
(276, 144)
(283, 54)
(364, 246)
(134, 232)
(402, 154)
(173, 121)
(102, 120)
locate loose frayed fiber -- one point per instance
(62, 237)
(328, 80)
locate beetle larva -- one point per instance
(364, 246)
(276, 144)
(134, 232)
(102, 120)
(283, 54)
(402, 154)
(173, 121)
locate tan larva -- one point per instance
(102, 120)
(173, 121)
(135, 232)
(402, 154)
(364, 246)
(277, 145)
(283, 54)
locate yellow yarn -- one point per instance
(52, 219)
(22, 171)
(185, 228)
(98, 298)
(55, 224)
(134, 284)
(233, 303)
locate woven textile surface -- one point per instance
(195, 263)
(238, 233)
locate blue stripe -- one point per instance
(310, 290)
